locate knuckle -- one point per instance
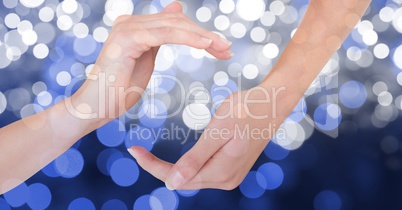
(121, 19)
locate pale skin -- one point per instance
(126, 61)
(223, 163)
(129, 56)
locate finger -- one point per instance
(143, 40)
(223, 55)
(188, 166)
(182, 22)
(179, 21)
(174, 7)
(150, 163)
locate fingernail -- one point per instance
(176, 181)
(132, 153)
(208, 41)
(226, 41)
(230, 53)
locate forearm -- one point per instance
(29, 144)
(323, 29)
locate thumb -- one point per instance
(174, 7)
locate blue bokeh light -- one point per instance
(124, 172)
(17, 196)
(69, 164)
(50, 170)
(114, 204)
(162, 197)
(111, 134)
(275, 152)
(327, 116)
(273, 175)
(327, 200)
(103, 158)
(143, 203)
(353, 94)
(299, 112)
(140, 136)
(86, 49)
(40, 196)
(251, 185)
(81, 204)
(187, 193)
(4, 205)
(223, 91)
(153, 113)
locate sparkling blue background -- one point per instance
(360, 169)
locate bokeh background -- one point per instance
(342, 151)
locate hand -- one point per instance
(126, 62)
(237, 134)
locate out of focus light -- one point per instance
(272, 174)
(124, 172)
(386, 14)
(381, 51)
(29, 37)
(63, 78)
(17, 196)
(115, 8)
(39, 196)
(162, 198)
(112, 134)
(64, 22)
(277, 7)
(385, 98)
(252, 185)
(4, 205)
(3, 102)
(70, 163)
(238, 30)
(221, 78)
(114, 204)
(258, 34)
(12, 20)
(271, 50)
(327, 116)
(32, 3)
(353, 94)
(140, 136)
(250, 71)
(144, 202)
(327, 200)
(222, 22)
(81, 203)
(69, 6)
(100, 34)
(268, 18)
(397, 57)
(275, 152)
(203, 14)
(196, 116)
(46, 14)
(227, 6)
(187, 193)
(389, 144)
(250, 10)
(41, 51)
(44, 98)
(80, 30)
